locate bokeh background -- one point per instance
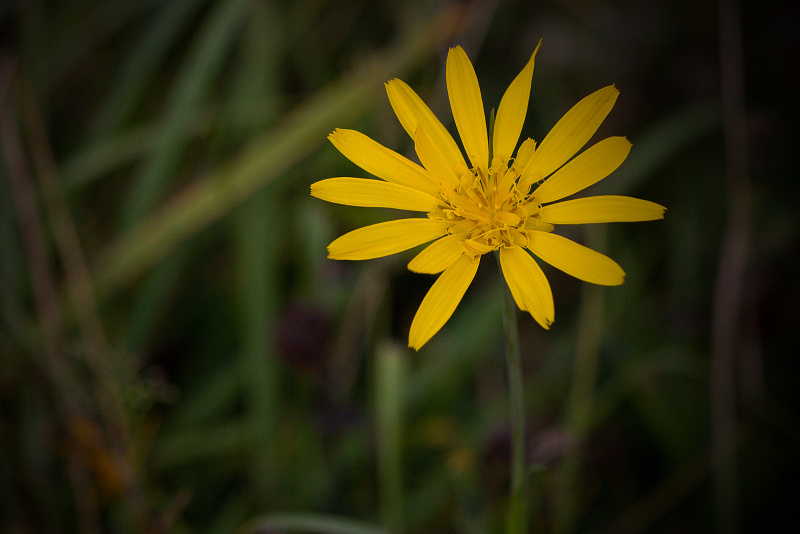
(177, 354)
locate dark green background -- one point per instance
(178, 355)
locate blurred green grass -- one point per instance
(178, 355)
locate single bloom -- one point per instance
(489, 202)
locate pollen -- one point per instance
(487, 211)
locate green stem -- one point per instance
(517, 518)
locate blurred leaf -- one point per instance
(204, 63)
(144, 62)
(262, 161)
(390, 385)
(258, 232)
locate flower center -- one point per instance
(486, 210)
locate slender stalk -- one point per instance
(517, 518)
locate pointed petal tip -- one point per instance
(610, 92)
(617, 282)
(337, 256)
(394, 83)
(544, 322)
(656, 207)
(538, 45)
(331, 255)
(337, 133)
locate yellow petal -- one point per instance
(528, 284)
(437, 256)
(588, 168)
(535, 224)
(602, 209)
(572, 132)
(576, 260)
(382, 162)
(524, 157)
(413, 112)
(512, 110)
(383, 239)
(467, 105)
(477, 247)
(441, 301)
(373, 193)
(438, 168)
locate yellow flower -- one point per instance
(503, 203)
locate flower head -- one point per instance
(489, 202)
